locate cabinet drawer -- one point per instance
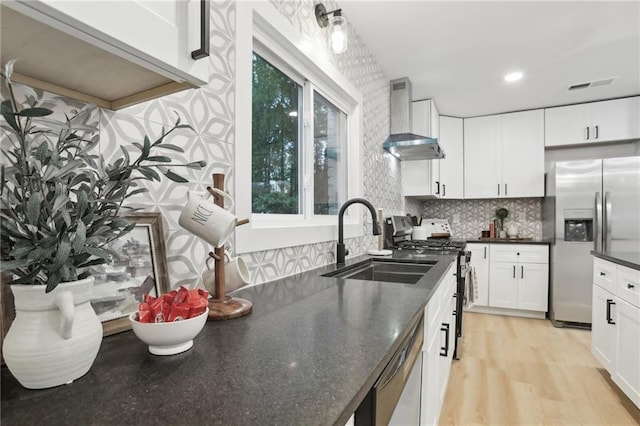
(604, 274)
(436, 306)
(521, 253)
(628, 283)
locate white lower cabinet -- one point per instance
(603, 329)
(438, 349)
(626, 373)
(480, 263)
(615, 329)
(510, 276)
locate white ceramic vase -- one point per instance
(55, 336)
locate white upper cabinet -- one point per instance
(482, 158)
(504, 155)
(452, 166)
(438, 178)
(425, 119)
(605, 121)
(421, 178)
(141, 46)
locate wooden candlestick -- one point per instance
(224, 307)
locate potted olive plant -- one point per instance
(59, 211)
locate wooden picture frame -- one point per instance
(121, 285)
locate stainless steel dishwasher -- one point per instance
(395, 397)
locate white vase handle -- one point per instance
(64, 301)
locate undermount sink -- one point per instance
(391, 272)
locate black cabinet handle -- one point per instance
(587, 132)
(505, 190)
(521, 271)
(602, 274)
(485, 252)
(498, 189)
(514, 271)
(630, 286)
(597, 132)
(203, 51)
(444, 190)
(445, 351)
(609, 303)
(438, 190)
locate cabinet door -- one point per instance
(482, 159)
(523, 154)
(158, 34)
(430, 407)
(617, 119)
(451, 167)
(566, 125)
(504, 286)
(480, 262)
(425, 118)
(627, 365)
(603, 332)
(417, 178)
(533, 286)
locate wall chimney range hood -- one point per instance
(401, 143)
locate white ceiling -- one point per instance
(458, 52)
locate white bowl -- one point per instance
(168, 338)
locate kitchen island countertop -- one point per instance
(630, 259)
(308, 354)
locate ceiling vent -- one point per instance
(595, 83)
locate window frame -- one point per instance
(261, 28)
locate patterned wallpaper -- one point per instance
(211, 112)
(469, 217)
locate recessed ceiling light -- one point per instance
(514, 76)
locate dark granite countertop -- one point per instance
(307, 355)
(508, 241)
(630, 259)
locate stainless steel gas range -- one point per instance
(398, 237)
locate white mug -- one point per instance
(208, 221)
(236, 274)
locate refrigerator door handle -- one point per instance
(597, 231)
(606, 222)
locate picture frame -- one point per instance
(142, 269)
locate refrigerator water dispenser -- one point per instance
(578, 225)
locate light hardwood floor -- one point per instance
(519, 371)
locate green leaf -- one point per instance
(81, 203)
(137, 145)
(147, 147)
(8, 265)
(171, 147)
(42, 151)
(81, 236)
(33, 208)
(60, 202)
(53, 281)
(149, 173)
(127, 160)
(97, 252)
(175, 177)
(20, 252)
(6, 107)
(62, 255)
(196, 164)
(137, 191)
(10, 118)
(159, 159)
(93, 262)
(35, 112)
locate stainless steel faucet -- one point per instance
(341, 251)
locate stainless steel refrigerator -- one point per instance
(588, 205)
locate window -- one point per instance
(329, 177)
(280, 148)
(275, 138)
(297, 137)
